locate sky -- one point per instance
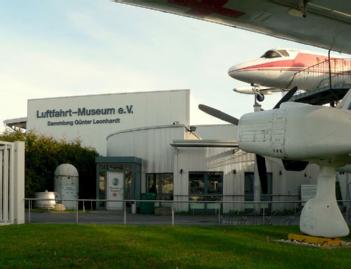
(57, 48)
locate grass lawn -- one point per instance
(114, 246)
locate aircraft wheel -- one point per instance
(259, 97)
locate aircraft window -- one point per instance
(284, 53)
(271, 54)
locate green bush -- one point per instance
(43, 154)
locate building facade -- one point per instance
(146, 145)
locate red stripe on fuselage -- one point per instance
(278, 69)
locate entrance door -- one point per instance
(115, 190)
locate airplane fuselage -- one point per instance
(283, 69)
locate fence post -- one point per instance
(77, 212)
(172, 214)
(124, 212)
(263, 214)
(219, 213)
(29, 208)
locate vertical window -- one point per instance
(205, 186)
(151, 185)
(197, 184)
(214, 183)
(161, 184)
(249, 186)
(128, 184)
(268, 195)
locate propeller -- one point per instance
(262, 172)
(260, 160)
(218, 114)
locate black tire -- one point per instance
(259, 97)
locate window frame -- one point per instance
(206, 195)
(159, 178)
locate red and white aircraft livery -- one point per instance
(281, 69)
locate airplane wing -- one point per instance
(322, 23)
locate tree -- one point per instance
(43, 154)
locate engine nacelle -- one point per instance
(297, 131)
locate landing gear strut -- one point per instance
(321, 215)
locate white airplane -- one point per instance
(281, 69)
(277, 133)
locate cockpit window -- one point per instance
(271, 54)
(284, 53)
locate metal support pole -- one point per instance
(29, 208)
(263, 214)
(124, 212)
(219, 213)
(77, 212)
(348, 206)
(173, 214)
(330, 78)
(83, 206)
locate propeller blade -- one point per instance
(218, 114)
(262, 173)
(286, 97)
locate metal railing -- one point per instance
(333, 73)
(175, 212)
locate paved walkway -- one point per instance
(116, 217)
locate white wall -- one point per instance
(145, 109)
(152, 145)
(285, 184)
(209, 159)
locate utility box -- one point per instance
(67, 185)
(147, 207)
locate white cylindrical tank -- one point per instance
(67, 185)
(46, 200)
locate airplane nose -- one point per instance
(233, 71)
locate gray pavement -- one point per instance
(117, 217)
